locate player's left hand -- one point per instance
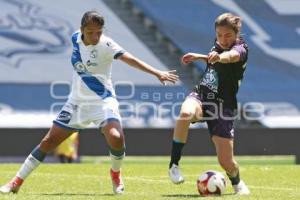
(170, 76)
(213, 57)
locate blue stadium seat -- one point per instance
(189, 25)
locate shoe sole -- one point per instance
(14, 192)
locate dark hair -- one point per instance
(92, 16)
(229, 20)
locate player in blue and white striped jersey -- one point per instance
(92, 99)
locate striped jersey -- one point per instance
(92, 65)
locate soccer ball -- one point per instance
(211, 183)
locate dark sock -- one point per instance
(38, 154)
(176, 153)
(234, 180)
(118, 153)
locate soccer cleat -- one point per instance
(241, 188)
(12, 187)
(117, 182)
(175, 174)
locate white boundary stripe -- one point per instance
(166, 180)
(149, 180)
(194, 183)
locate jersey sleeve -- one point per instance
(242, 50)
(115, 49)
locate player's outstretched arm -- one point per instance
(231, 56)
(139, 64)
(191, 57)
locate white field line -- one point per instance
(165, 180)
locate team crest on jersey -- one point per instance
(93, 57)
(210, 80)
(27, 33)
(93, 53)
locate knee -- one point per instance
(117, 138)
(185, 115)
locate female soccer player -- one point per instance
(92, 99)
(214, 99)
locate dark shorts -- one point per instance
(219, 120)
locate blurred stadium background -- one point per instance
(35, 70)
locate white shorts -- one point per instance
(79, 115)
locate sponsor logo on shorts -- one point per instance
(64, 117)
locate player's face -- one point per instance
(91, 33)
(226, 37)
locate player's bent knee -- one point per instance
(117, 139)
(185, 116)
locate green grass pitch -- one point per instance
(274, 178)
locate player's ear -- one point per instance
(81, 29)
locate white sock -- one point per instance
(116, 162)
(28, 166)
